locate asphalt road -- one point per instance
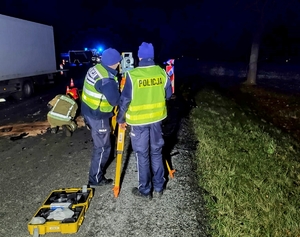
(34, 166)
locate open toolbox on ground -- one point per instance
(63, 211)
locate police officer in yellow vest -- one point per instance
(143, 106)
(63, 111)
(99, 96)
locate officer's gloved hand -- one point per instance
(86, 124)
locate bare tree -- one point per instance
(259, 8)
(264, 11)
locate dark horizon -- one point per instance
(208, 30)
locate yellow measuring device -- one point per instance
(126, 64)
(120, 149)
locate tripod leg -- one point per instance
(120, 149)
(171, 172)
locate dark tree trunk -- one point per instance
(252, 71)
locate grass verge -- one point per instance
(251, 177)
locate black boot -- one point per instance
(54, 130)
(67, 131)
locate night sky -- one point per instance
(204, 29)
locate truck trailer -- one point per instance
(27, 56)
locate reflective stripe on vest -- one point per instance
(73, 126)
(149, 116)
(59, 116)
(98, 96)
(150, 106)
(148, 103)
(90, 96)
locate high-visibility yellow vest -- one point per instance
(62, 109)
(148, 104)
(93, 98)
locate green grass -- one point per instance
(252, 178)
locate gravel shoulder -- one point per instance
(34, 166)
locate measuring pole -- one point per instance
(170, 72)
(126, 64)
(120, 149)
(114, 120)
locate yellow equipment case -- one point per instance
(76, 199)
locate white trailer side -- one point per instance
(27, 53)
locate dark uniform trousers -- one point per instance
(149, 156)
(100, 130)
